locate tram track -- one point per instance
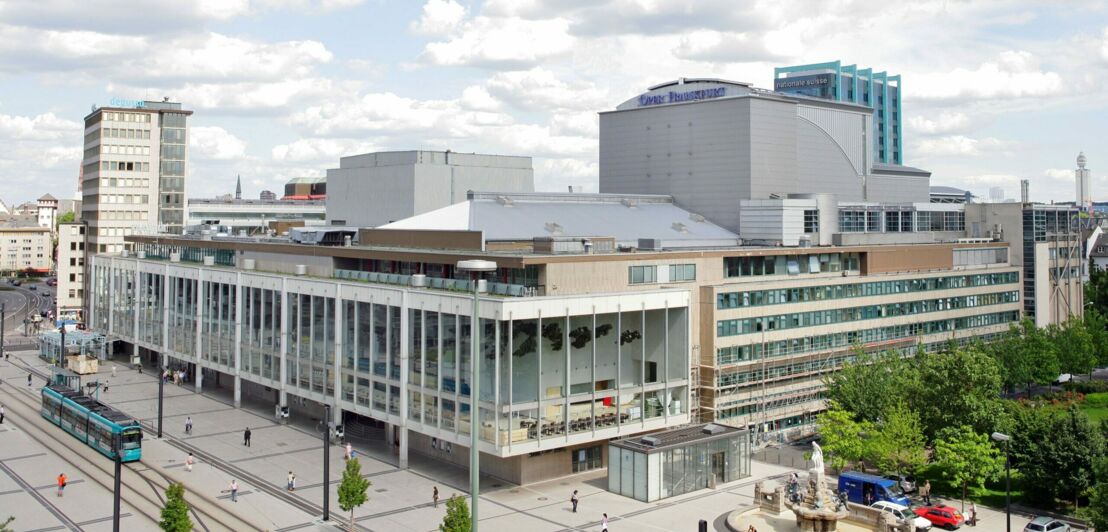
(145, 485)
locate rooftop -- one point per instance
(679, 437)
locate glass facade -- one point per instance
(405, 355)
(694, 460)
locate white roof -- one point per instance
(524, 216)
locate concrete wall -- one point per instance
(898, 189)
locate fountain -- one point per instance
(817, 507)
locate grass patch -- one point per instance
(992, 494)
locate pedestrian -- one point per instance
(234, 489)
(925, 492)
(349, 451)
(292, 482)
(573, 500)
(246, 437)
(973, 514)
(1, 414)
(435, 496)
(28, 379)
(188, 425)
(604, 523)
(113, 371)
(61, 484)
(188, 463)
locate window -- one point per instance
(682, 272)
(642, 274)
(811, 222)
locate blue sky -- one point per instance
(994, 91)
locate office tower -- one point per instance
(1084, 183)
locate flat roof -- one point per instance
(679, 437)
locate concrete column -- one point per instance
(238, 339)
(403, 463)
(200, 302)
(238, 391)
(283, 393)
(405, 326)
(336, 366)
(199, 378)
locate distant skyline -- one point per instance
(994, 92)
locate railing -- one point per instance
(455, 285)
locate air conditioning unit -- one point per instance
(141, 254)
(650, 244)
(419, 281)
(209, 260)
(650, 440)
(300, 269)
(712, 429)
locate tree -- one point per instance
(175, 515)
(1055, 452)
(841, 436)
(966, 457)
(352, 489)
(1074, 346)
(959, 387)
(1096, 290)
(4, 526)
(898, 444)
(66, 218)
(457, 516)
(868, 386)
(1097, 327)
(1026, 356)
(1097, 510)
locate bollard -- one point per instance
(703, 526)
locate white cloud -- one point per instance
(501, 42)
(46, 126)
(216, 57)
(439, 17)
(943, 122)
(243, 96)
(327, 152)
(539, 88)
(959, 145)
(387, 112)
(1014, 74)
(212, 142)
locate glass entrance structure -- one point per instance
(673, 462)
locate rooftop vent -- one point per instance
(680, 227)
(300, 269)
(650, 244)
(629, 203)
(650, 440)
(712, 429)
(696, 217)
(553, 228)
(419, 280)
(248, 264)
(506, 201)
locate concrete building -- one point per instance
(306, 188)
(47, 211)
(254, 215)
(848, 83)
(374, 189)
(134, 171)
(1047, 244)
(71, 271)
(713, 143)
(25, 247)
(1083, 181)
(996, 194)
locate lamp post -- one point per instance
(476, 267)
(161, 385)
(326, 462)
(1001, 437)
(118, 476)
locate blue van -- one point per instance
(861, 488)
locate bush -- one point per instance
(1096, 400)
(1086, 387)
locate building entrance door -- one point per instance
(718, 466)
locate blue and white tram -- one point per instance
(97, 425)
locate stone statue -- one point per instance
(817, 457)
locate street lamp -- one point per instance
(1001, 437)
(477, 267)
(326, 462)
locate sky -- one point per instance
(993, 91)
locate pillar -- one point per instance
(199, 377)
(238, 391)
(403, 463)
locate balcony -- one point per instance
(454, 285)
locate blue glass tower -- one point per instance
(848, 83)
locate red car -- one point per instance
(943, 516)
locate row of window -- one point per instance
(125, 182)
(773, 401)
(125, 150)
(826, 317)
(122, 215)
(754, 298)
(139, 199)
(116, 116)
(649, 274)
(844, 340)
(121, 166)
(900, 221)
(118, 133)
(790, 264)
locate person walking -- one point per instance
(573, 500)
(604, 523)
(246, 437)
(61, 484)
(925, 492)
(234, 489)
(28, 379)
(188, 425)
(349, 451)
(1, 414)
(291, 482)
(113, 371)
(973, 514)
(188, 463)
(435, 495)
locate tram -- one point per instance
(97, 425)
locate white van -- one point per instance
(903, 513)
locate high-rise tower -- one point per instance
(1083, 181)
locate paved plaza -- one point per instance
(399, 499)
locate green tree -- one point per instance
(352, 489)
(959, 387)
(898, 444)
(870, 385)
(4, 526)
(1097, 510)
(1055, 452)
(1097, 327)
(1027, 356)
(841, 436)
(457, 516)
(1074, 346)
(66, 218)
(966, 457)
(1096, 290)
(175, 515)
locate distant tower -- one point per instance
(238, 188)
(996, 194)
(1083, 181)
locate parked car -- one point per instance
(1046, 524)
(16, 282)
(51, 282)
(32, 287)
(903, 513)
(946, 517)
(907, 482)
